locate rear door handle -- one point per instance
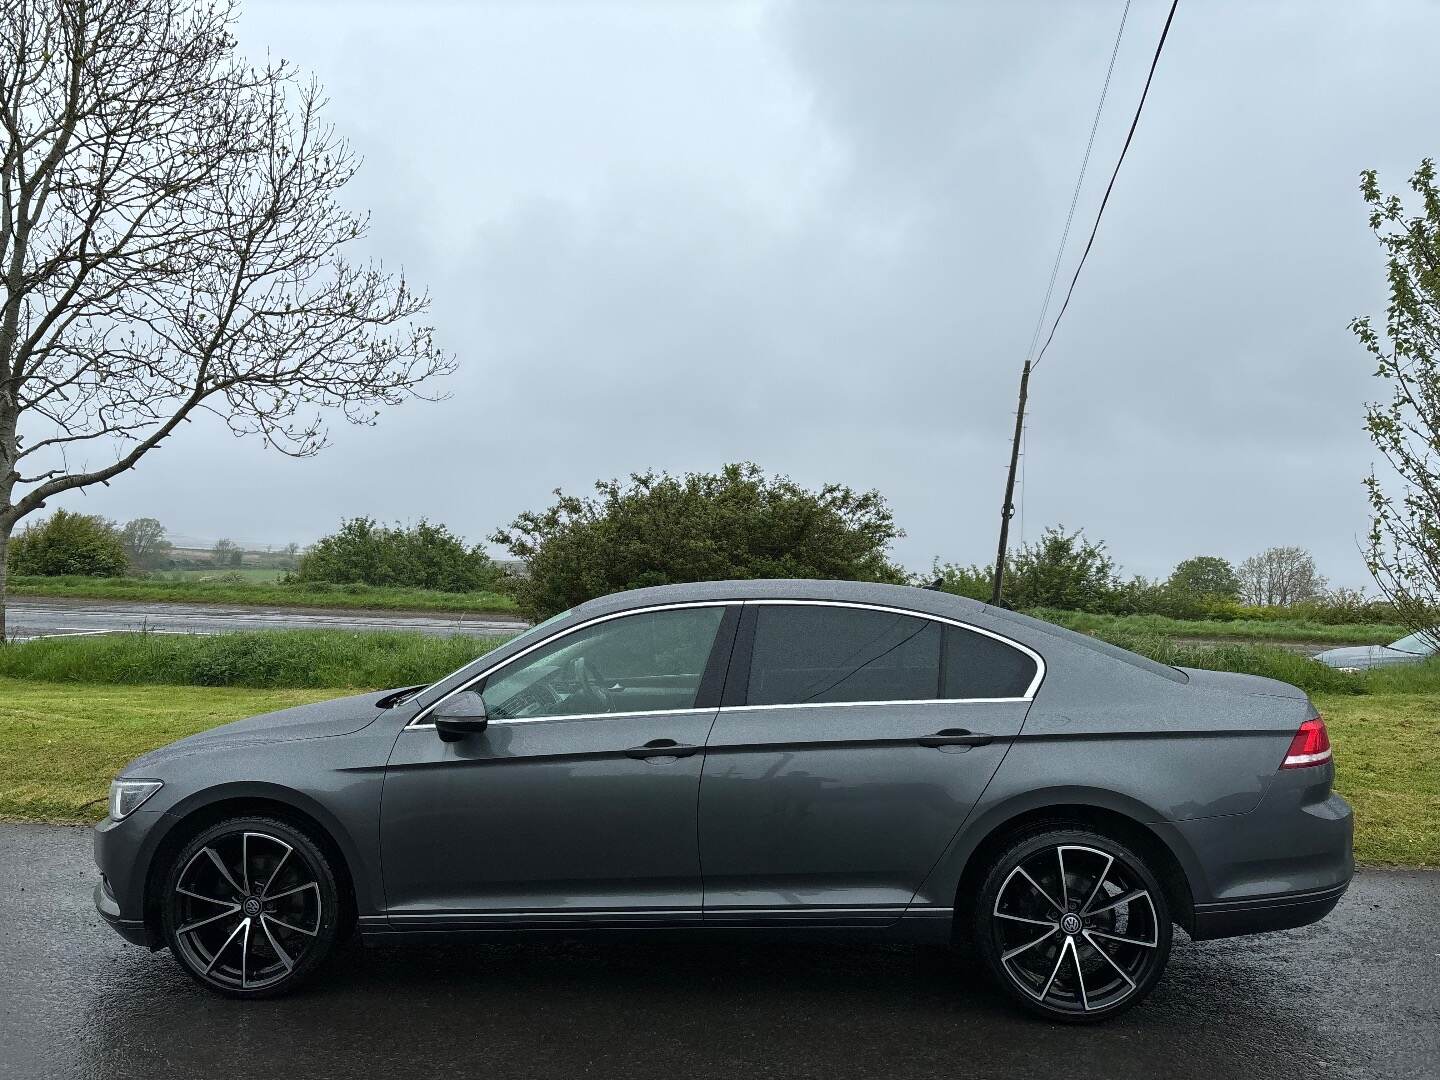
(661, 748)
(956, 737)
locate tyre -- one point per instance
(1072, 925)
(250, 907)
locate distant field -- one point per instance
(60, 743)
(1216, 629)
(315, 595)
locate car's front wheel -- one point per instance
(1073, 924)
(250, 907)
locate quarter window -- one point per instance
(652, 661)
(977, 666)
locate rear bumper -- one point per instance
(1284, 864)
(1261, 914)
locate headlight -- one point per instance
(127, 795)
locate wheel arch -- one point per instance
(246, 799)
(1110, 813)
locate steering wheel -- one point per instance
(591, 683)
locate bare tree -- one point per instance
(1403, 550)
(227, 553)
(144, 540)
(171, 241)
(1280, 576)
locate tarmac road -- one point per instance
(1357, 995)
(31, 618)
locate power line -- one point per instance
(1079, 182)
(1130, 135)
(1007, 509)
(1065, 236)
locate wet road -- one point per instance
(1355, 996)
(27, 619)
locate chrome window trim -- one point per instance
(419, 720)
(419, 723)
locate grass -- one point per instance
(60, 743)
(260, 659)
(220, 591)
(1221, 630)
(1387, 766)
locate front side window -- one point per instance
(652, 661)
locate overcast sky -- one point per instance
(817, 235)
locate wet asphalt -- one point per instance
(1357, 995)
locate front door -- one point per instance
(854, 742)
(578, 801)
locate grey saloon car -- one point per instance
(794, 759)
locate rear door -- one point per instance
(852, 742)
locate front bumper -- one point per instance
(132, 930)
(123, 850)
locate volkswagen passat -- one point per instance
(806, 759)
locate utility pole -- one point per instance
(1008, 510)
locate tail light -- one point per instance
(1310, 746)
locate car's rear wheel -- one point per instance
(250, 907)
(1073, 925)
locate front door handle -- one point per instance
(657, 748)
(956, 737)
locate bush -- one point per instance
(425, 556)
(1061, 570)
(67, 543)
(660, 529)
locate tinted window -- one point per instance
(648, 662)
(976, 666)
(810, 654)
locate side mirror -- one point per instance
(461, 715)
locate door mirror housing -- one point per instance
(459, 716)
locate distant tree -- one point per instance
(292, 554)
(1061, 570)
(144, 540)
(1205, 576)
(173, 239)
(226, 553)
(66, 543)
(1403, 548)
(659, 529)
(421, 556)
(1279, 577)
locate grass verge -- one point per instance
(261, 659)
(61, 744)
(1219, 630)
(1387, 767)
(275, 594)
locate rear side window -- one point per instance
(810, 655)
(814, 654)
(976, 666)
